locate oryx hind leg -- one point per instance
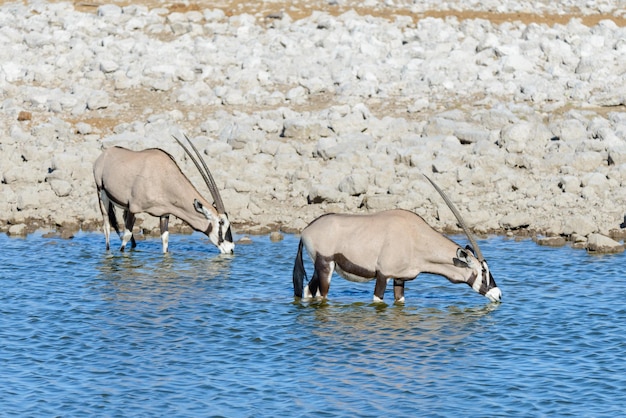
(164, 222)
(107, 210)
(320, 282)
(129, 222)
(379, 289)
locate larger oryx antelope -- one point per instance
(150, 181)
(394, 244)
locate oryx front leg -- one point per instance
(164, 232)
(398, 291)
(320, 282)
(129, 222)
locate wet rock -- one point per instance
(18, 230)
(245, 240)
(597, 243)
(551, 241)
(276, 236)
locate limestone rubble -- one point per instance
(338, 108)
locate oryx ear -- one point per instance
(470, 249)
(462, 258)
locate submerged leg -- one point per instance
(379, 289)
(103, 200)
(129, 221)
(165, 219)
(398, 290)
(133, 243)
(320, 282)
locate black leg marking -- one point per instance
(398, 289)
(379, 289)
(324, 272)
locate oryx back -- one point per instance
(144, 181)
(384, 244)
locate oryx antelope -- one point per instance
(150, 181)
(394, 244)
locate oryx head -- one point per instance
(219, 228)
(480, 279)
(218, 231)
(471, 257)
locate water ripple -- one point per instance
(92, 333)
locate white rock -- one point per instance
(321, 193)
(579, 224)
(18, 230)
(595, 180)
(61, 188)
(601, 244)
(354, 184)
(98, 100)
(515, 221)
(109, 10)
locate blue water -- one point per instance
(85, 332)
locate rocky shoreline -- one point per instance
(522, 122)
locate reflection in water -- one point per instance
(142, 277)
(386, 348)
(376, 325)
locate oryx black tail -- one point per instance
(299, 274)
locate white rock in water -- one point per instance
(18, 230)
(601, 244)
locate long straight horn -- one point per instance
(206, 174)
(456, 213)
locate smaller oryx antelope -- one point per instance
(394, 244)
(150, 181)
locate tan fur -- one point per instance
(394, 244)
(150, 181)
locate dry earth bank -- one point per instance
(307, 107)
